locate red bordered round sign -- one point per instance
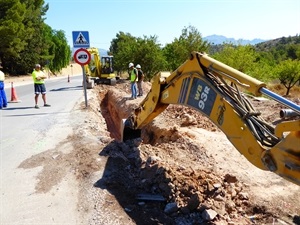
(82, 56)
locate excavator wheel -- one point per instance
(107, 81)
(113, 81)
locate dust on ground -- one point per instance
(189, 173)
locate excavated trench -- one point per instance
(114, 110)
(113, 115)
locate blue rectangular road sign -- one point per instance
(81, 39)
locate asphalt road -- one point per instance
(26, 131)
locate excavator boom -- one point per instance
(212, 88)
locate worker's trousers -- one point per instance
(3, 99)
(133, 90)
(140, 87)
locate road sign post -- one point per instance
(83, 57)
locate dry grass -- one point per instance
(281, 90)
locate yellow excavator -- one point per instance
(100, 69)
(212, 88)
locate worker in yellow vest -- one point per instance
(133, 73)
(39, 85)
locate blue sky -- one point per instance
(103, 19)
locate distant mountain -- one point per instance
(219, 39)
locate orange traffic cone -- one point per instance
(14, 97)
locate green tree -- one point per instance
(27, 40)
(149, 55)
(262, 71)
(60, 52)
(123, 48)
(180, 49)
(20, 27)
(241, 57)
(170, 54)
(47, 51)
(286, 48)
(37, 44)
(144, 51)
(288, 73)
(246, 59)
(293, 51)
(12, 31)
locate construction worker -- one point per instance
(140, 80)
(133, 75)
(107, 66)
(39, 85)
(3, 99)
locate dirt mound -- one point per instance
(185, 171)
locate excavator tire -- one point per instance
(111, 81)
(90, 84)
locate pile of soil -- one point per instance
(186, 173)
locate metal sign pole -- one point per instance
(82, 56)
(84, 86)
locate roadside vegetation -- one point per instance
(27, 39)
(272, 61)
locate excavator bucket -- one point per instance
(127, 131)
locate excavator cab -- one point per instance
(107, 64)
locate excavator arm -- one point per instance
(211, 87)
(93, 70)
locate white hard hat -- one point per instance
(130, 65)
(138, 66)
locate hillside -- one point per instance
(278, 42)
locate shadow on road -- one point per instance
(68, 88)
(24, 107)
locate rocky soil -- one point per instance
(186, 173)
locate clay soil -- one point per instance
(182, 171)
